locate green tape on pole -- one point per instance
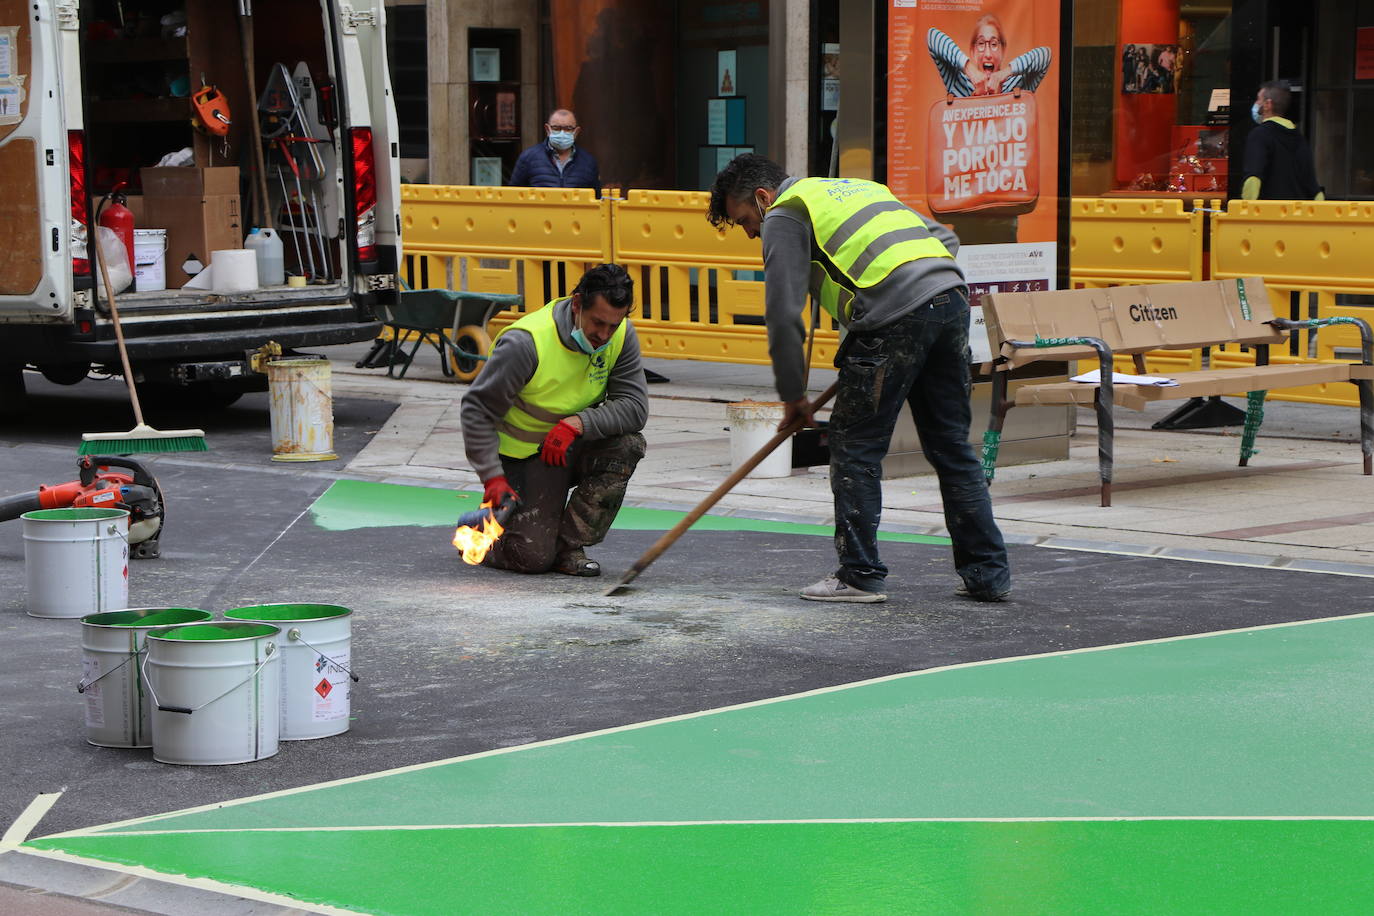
(992, 442)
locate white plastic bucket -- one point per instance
(217, 692)
(302, 412)
(76, 561)
(150, 259)
(316, 665)
(752, 424)
(118, 707)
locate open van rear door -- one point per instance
(371, 149)
(35, 216)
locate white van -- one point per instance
(93, 94)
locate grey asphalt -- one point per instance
(455, 659)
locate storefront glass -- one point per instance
(1151, 97)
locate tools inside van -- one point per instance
(217, 128)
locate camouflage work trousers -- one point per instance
(548, 520)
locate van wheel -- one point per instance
(65, 373)
(11, 391)
(469, 342)
(187, 397)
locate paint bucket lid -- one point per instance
(73, 515)
(297, 613)
(221, 630)
(147, 617)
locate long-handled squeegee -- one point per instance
(666, 541)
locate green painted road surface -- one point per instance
(351, 504)
(1222, 773)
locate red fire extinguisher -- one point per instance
(119, 218)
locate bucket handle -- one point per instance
(294, 634)
(83, 685)
(267, 656)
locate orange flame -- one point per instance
(476, 543)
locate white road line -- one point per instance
(618, 729)
(204, 884)
(18, 832)
(375, 828)
(1160, 553)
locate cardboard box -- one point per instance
(190, 181)
(199, 208)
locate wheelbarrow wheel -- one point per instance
(471, 344)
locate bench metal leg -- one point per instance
(1106, 434)
(1254, 416)
(992, 437)
(1366, 387)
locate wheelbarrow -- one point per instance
(452, 321)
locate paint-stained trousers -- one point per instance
(922, 361)
(548, 521)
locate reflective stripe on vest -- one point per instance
(564, 382)
(864, 229)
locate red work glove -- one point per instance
(556, 443)
(497, 490)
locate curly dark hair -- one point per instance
(609, 281)
(745, 174)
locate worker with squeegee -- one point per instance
(888, 275)
(560, 404)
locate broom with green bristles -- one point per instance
(142, 439)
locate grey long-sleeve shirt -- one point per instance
(789, 247)
(625, 409)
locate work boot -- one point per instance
(832, 589)
(1000, 595)
(575, 563)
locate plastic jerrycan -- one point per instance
(267, 245)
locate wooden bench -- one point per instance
(1095, 325)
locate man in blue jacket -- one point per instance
(557, 162)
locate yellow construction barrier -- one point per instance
(535, 242)
(1121, 241)
(1312, 255)
(698, 289)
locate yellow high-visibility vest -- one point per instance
(865, 230)
(565, 382)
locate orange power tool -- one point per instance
(103, 482)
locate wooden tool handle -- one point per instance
(119, 332)
(728, 484)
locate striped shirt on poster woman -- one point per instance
(1027, 70)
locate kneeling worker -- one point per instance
(560, 404)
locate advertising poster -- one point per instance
(973, 130)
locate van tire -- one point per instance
(204, 396)
(65, 373)
(11, 391)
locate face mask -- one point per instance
(1254, 112)
(584, 344)
(760, 206)
(560, 139)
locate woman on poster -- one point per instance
(984, 70)
(981, 70)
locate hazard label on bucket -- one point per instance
(330, 701)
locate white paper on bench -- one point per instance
(1121, 378)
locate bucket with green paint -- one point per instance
(118, 707)
(76, 561)
(216, 690)
(316, 671)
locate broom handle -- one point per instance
(666, 541)
(259, 163)
(119, 332)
